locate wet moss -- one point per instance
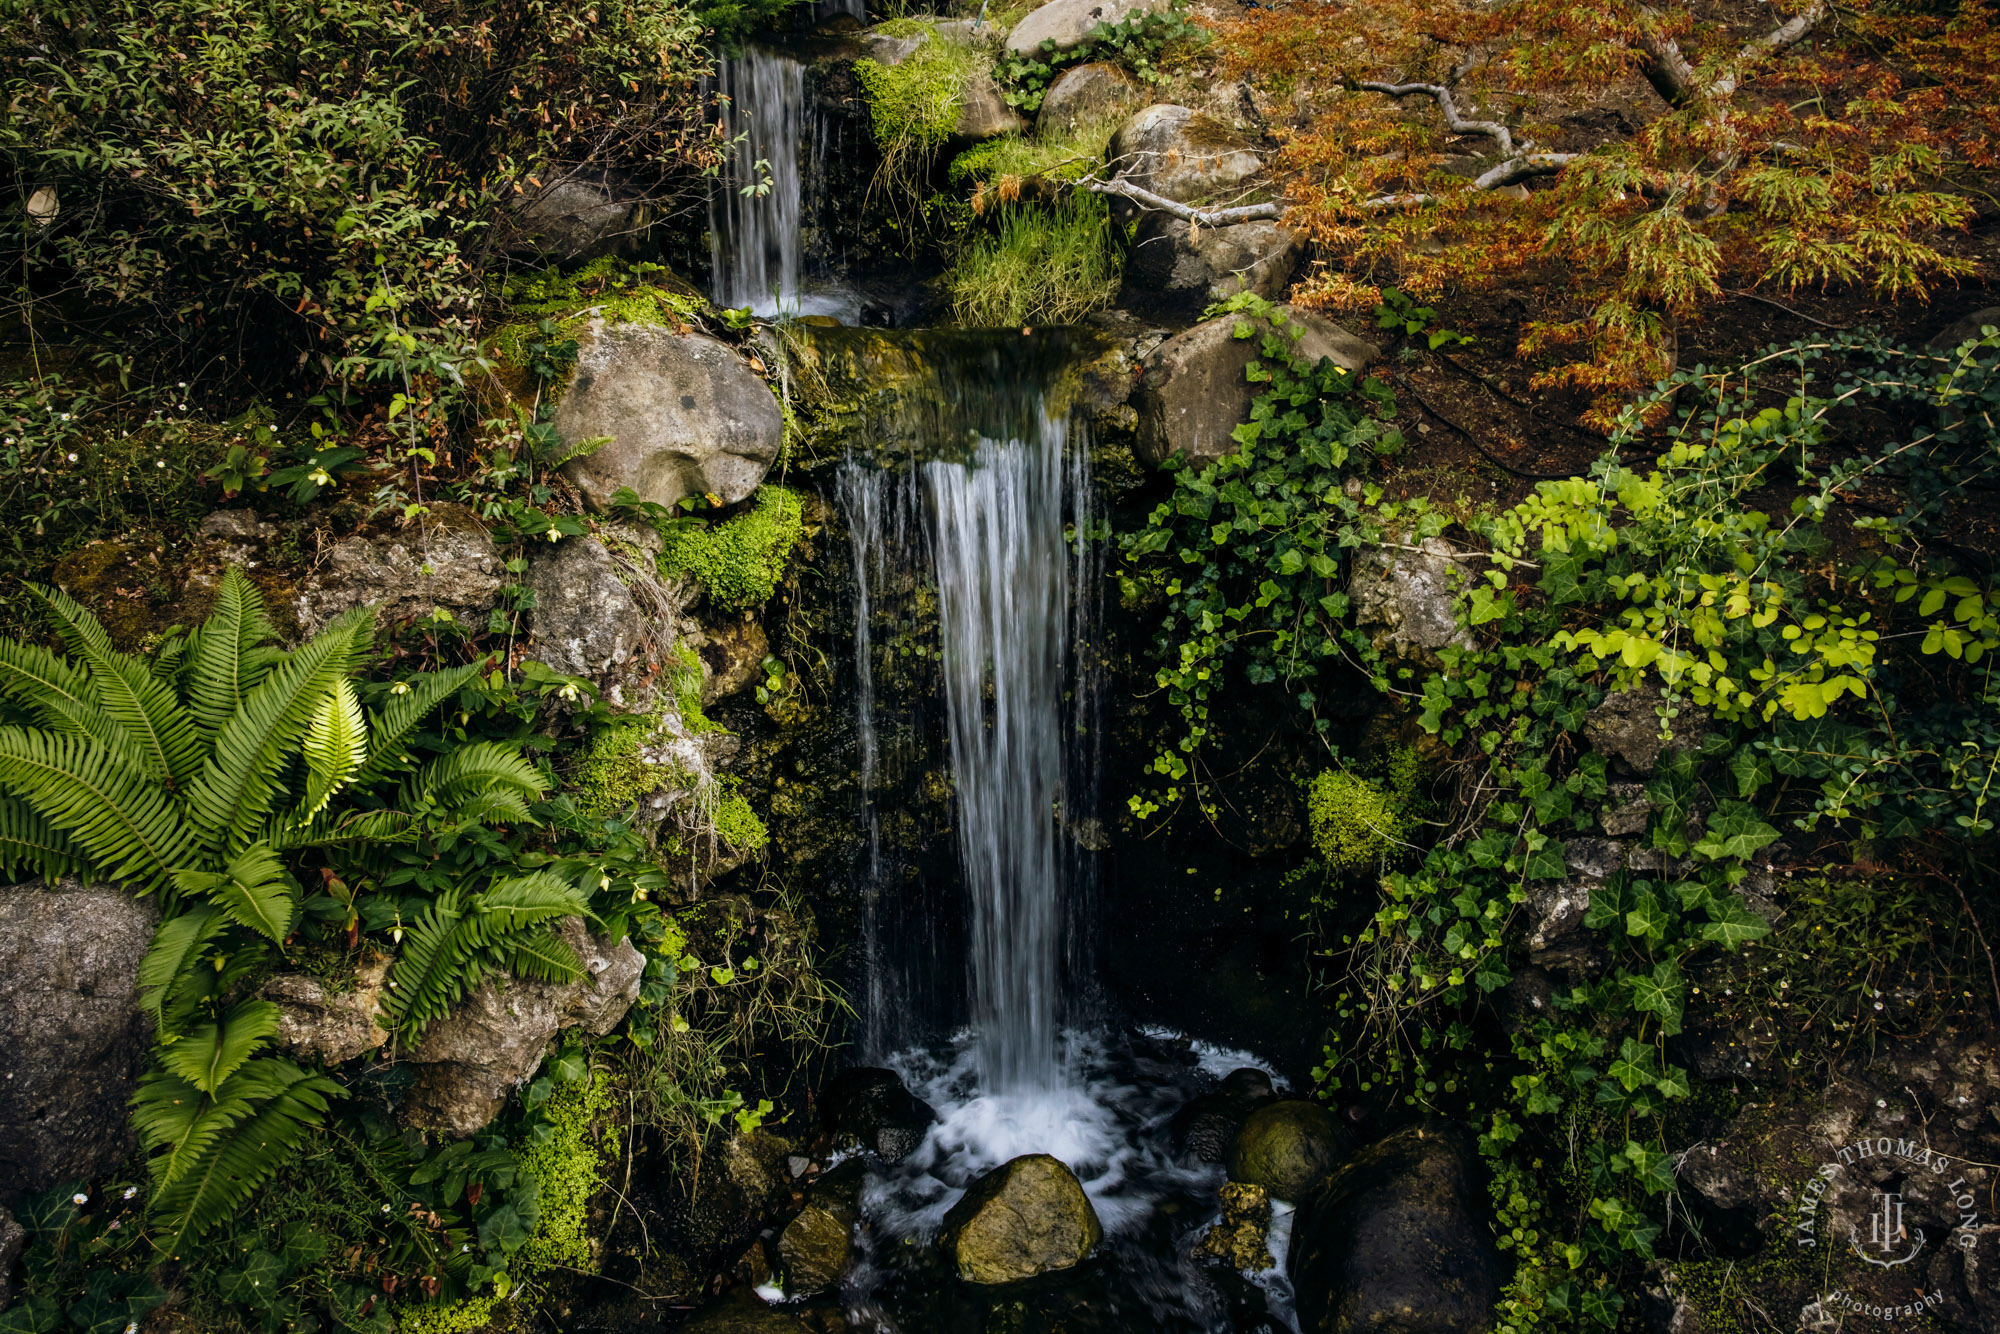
(739, 562)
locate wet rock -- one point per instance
(1627, 810)
(1960, 331)
(1192, 393)
(1082, 92)
(1175, 272)
(13, 1240)
(601, 612)
(583, 218)
(870, 1109)
(818, 1244)
(1181, 154)
(732, 657)
(1626, 726)
(891, 49)
(741, 1313)
(495, 1039)
(685, 417)
(1402, 599)
(1026, 1217)
(1206, 1126)
(319, 1024)
(983, 112)
(73, 1039)
(1397, 1239)
(738, 1187)
(442, 561)
(1068, 22)
(1286, 1146)
(1246, 1221)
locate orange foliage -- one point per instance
(1681, 152)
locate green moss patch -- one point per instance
(914, 104)
(741, 561)
(1353, 823)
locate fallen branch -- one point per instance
(1675, 80)
(1520, 167)
(1198, 217)
(1449, 105)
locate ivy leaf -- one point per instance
(1546, 862)
(1660, 992)
(1735, 831)
(1634, 1067)
(503, 1231)
(1651, 1167)
(1733, 924)
(1607, 904)
(1647, 918)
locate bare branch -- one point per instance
(1520, 167)
(1675, 80)
(1449, 105)
(1200, 217)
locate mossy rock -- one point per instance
(1026, 1217)
(1287, 1146)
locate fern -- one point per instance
(252, 889)
(117, 813)
(454, 945)
(27, 841)
(177, 948)
(208, 1054)
(484, 780)
(228, 656)
(392, 725)
(139, 704)
(336, 747)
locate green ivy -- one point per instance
(1137, 43)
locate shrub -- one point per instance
(1353, 823)
(1139, 43)
(1038, 265)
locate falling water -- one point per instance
(754, 214)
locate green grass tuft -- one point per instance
(1038, 266)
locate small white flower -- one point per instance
(79, 1198)
(385, 1208)
(72, 458)
(181, 384)
(65, 416)
(130, 1191)
(400, 688)
(159, 463)
(132, 1328)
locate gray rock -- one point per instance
(1082, 92)
(1626, 811)
(329, 1027)
(685, 417)
(1402, 599)
(1027, 1216)
(1556, 910)
(443, 560)
(583, 218)
(1397, 1239)
(1176, 271)
(1180, 153)
(13, 1240)
(1192, 394)
(1068, 22)
(1972, 326)
(871, 1109)
(732, 657)
(1626, 726)
(74, 1039)
(1287, 1146)
(983, 112)
(1593, 858)
(604, 615)
(495, 1039)
(889, 49)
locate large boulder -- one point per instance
(1067, 22)
(1181, 154)
(13, 1240)
(73, 1041)
(470, 1060)
(444, 560)
(870, 1109)
(684, 414)
(1397, 1239)
(1176, 271)
(1403, 598)
(1192, 392)
(601, 612)
(1286, 1147)
(1026, 1217)
(584, 217)
(1082, 92)
(983, 112)
(328, 1025)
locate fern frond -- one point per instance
(392, 724)
(348, 827)
(144, 708)
(440, 962)
(484, 780)
(529, 900)
(253, 889)
(542, 955)
(176, 949)
(173, 1115)
(108, 806)
(31, 842)
(208, 1054)
(238, 785)
(58, 694)
(336, 747)
(230, 653)
(261, 1113)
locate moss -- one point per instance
(741, 561)
(684, 679)
(611, 776)
(1353, 823)
(609, 288)
(738, 824)
(914, 105)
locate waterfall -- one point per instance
(1003, 598)
(754, 238)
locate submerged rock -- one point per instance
(317, 1023)
(685, 415)
(870, 1109)
(1206, 1126)
(741, 1313)
(1246, 1221)
(1397, 1239)
(1182, 154)
(495, 1039)
(1068, 22)
(1286, 1147)
(1176, 271)
(1026, 1217)
(1083, 91)
(73, 1041)
(1192, 394)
